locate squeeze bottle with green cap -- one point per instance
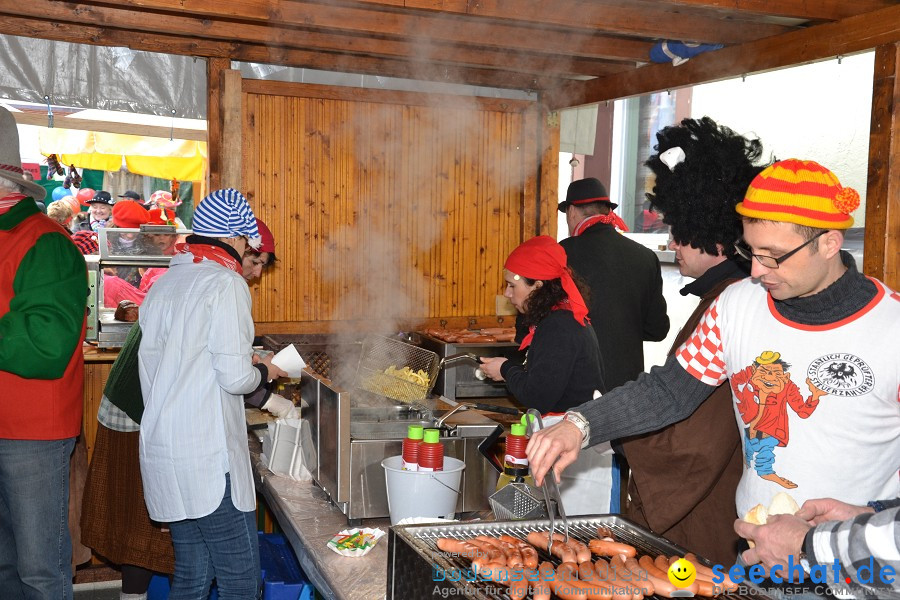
(431, 451)
(411, 442)
(515, 461)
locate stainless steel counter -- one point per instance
(309, 520)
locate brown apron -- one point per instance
(684, 477)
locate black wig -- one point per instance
(697, 196)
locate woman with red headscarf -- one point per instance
(562, 366)
(562, 362)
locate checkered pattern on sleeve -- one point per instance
(112, 417)
(701, 354)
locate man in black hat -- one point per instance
(626, 302)
(131, 195)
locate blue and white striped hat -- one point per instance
(226, 213)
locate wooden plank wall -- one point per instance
(387, 207)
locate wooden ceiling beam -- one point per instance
(68, 31)
(848, 36)
(820, 11)
(654, 20)
(280, 21)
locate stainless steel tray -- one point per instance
(416, 567)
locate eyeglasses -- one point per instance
(770, 262)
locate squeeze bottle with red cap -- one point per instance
(515, 461)
(411, 444)
(431, 451)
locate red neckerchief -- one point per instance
(564, 305)
(610, 218)
(10, 200)
(213, 253)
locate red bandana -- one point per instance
(213, 253)
(543, 258)
(610, 218)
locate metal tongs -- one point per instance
(550, 487)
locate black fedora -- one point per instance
(585, 191)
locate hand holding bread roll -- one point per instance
(782, 504)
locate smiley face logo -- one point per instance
(682, 573)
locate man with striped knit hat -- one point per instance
(196, 364)
(808, 344)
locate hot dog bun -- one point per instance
(783, 504)
(758, 515)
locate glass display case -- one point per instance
(129, 262)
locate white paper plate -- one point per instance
(374, 534)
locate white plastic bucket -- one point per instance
(422, 493)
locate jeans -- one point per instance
(35, 547)
(222, 545)
(764, 448)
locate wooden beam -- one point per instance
(853, 34)
(882, 241)
(153, 42)
(215, 67)
(110, 127)
(284, 23)
(549, 166)
(356, 94)
(655, 20)
(822, 10)
(232, 130)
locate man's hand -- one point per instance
(781, 536)
(274, 371)
(281, 407)
(556, 447)
(821, 510)
(491, 367)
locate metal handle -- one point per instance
(458, 407)
(456, 360)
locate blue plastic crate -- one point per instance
(281, 574)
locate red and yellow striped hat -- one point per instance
(802, 192)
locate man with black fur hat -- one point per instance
(627, 306)
(702, 171)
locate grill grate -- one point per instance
(413, 549)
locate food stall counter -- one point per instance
(309, 520)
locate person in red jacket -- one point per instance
(43, 299)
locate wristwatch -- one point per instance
(583, 425)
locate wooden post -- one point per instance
(232, 128)
(549, 166)
(882, 240)
(214, 69)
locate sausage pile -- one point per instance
(618, 573)
(470, 336)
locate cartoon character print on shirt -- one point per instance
(764, 391)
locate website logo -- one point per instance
(682, 573)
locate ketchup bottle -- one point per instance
(515, 461)
(431, 452)
(411, 444)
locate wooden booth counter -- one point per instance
(97, 364)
